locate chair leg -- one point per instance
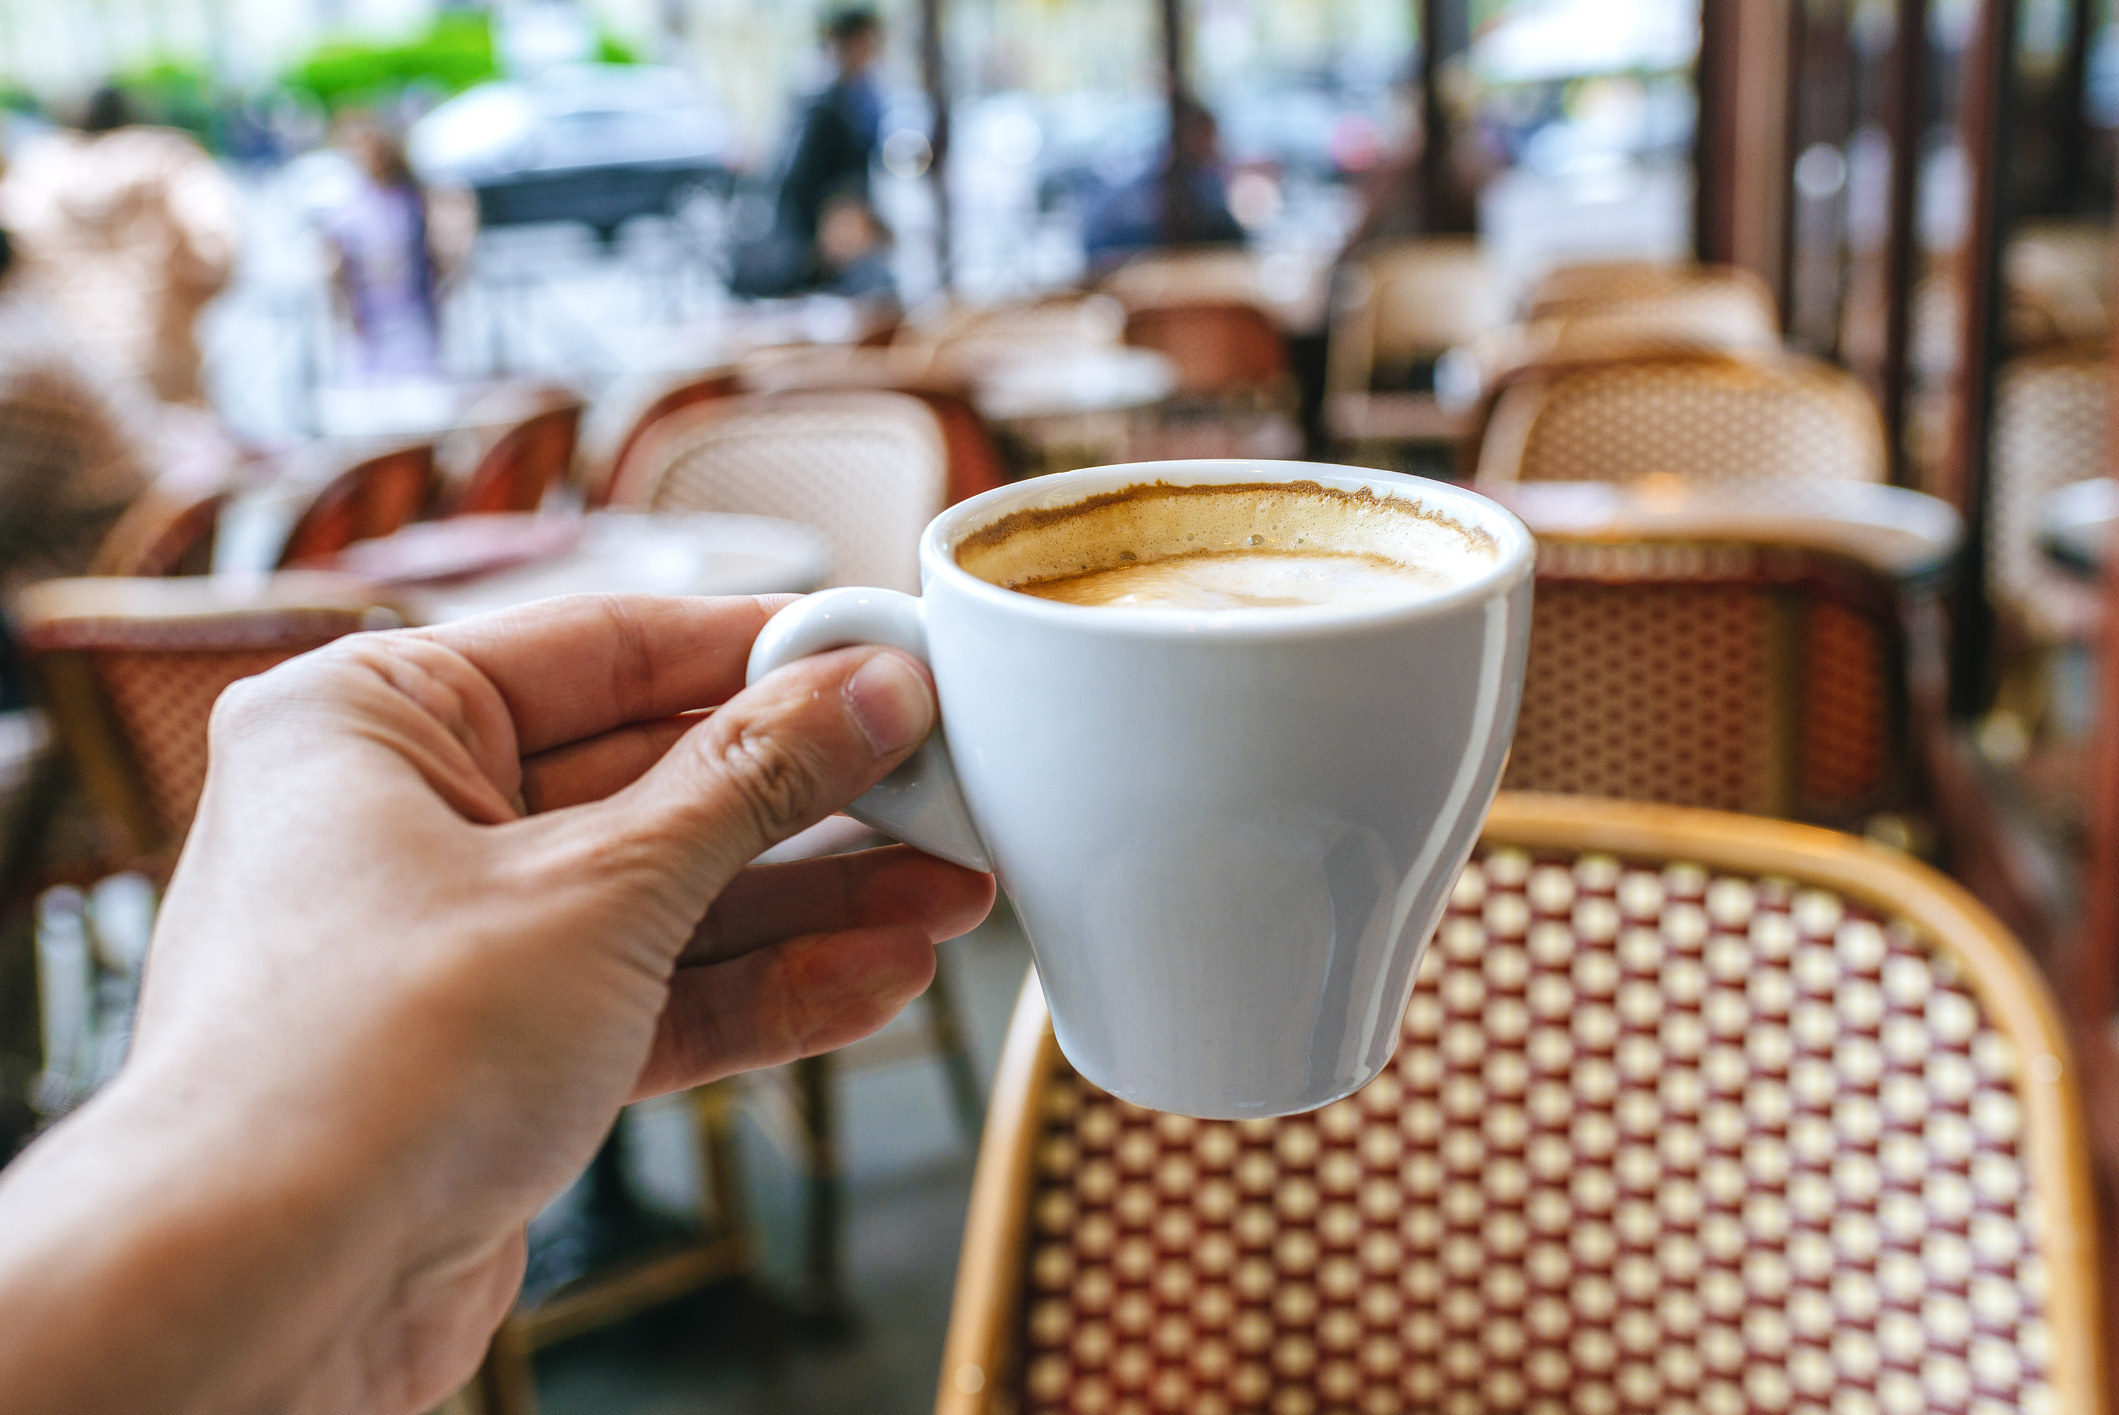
(814, 1079)
(720, 1166)
(506, 1384)
(945, 1026)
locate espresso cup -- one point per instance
(1228, 836)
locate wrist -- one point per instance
(154, 1259)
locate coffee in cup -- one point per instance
(1261, 545)
(1229, 804)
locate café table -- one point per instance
(2075, 525)
(438, 571)
(1906, 535)
(1072, 406)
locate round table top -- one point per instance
(1068, 381)
(2075, 525)
(1902, 533)
(640, 553)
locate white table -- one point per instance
(2075, 525)
(1903, 533)
(643, 553)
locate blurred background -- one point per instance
(358, 286)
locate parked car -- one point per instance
(593, 143)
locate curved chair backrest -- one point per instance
(131, 669)
(2052, 415)
(373, 497)
(1689, 1111)
(1742, 675)
(1408, 302)
(968, 341)
(868, 469)
(1220, 348)
(975, 462)
(2059, 276)
(1214, 275)
(602, 462)
(1696, 418)
(162, 533)
(1604, 287)
(524, 463)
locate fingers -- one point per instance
(576, 667)
(895, 887)
(779, 756)
(591, 770)
(804, 996)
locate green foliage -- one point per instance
(173, 93)
(610, 49)
(455, 53)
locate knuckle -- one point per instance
(773, 780)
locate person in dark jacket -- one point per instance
(834, 144)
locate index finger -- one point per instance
(575, 667)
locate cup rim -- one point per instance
(1512, 561)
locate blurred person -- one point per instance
(130, 230)
(1139, 215)
(834, 146)
(853, 252)
(453, 897)
(383, 270)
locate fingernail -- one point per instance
(890, 702)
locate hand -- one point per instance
(453, 897)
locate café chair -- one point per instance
(511, 445)
(1720, 292)
(967, 340)
(1739, 673)
(867, 469)
(1689, 1111)
(379, 493)
(2059, 278)
(615, 422)
(1694, 417)
(1490, 366)
(2050, 414)
(975, 462)
(163, 532)
(1210, 312)
(128, 670)
(1398, 308)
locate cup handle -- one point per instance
(920, 803)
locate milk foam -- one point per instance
(1240, 546)
(1239, 579)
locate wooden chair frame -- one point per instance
(979, 1350)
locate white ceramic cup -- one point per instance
(1228, 834)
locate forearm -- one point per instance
(151, 1263)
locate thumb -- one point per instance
(782, 755)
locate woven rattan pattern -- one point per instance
(1430, 295)
(1652, 1141)
(1703, 420)
(1845, 710)
(866, 469)
(1647, 692)
(2049, 431)
(162, 700)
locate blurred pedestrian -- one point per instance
(853, 253)
(1141, 214)
(129, 230)
(834, 145)
(383, 268)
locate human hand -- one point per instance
(452, 897)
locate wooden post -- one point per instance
(1714, 132)
(1799, 75)
(1445, 33)
(1902, 253)
(1989, 108)
(1177, 169)
(934, 77)
(2071, 131)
